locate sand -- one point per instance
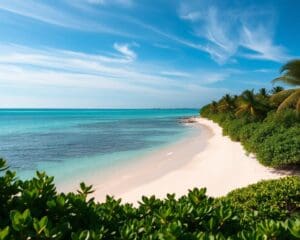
(206, 159)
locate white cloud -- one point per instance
(61, 17)
(96, 1)
(260, 42)
(205, 77)
(111, 2)
(176, 74)
(265, 70)
(125, 50)
(219, 32)
(54, 68)
(224, 31)
(192, 16)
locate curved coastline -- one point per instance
(207, 159)
(152, 166)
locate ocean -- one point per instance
(67, 143)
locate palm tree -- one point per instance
(227, 103)
(263, 96)
(277, 89)
(263, 92)
(248, 104)
(214, 107)
(290, 73)
(288, 98)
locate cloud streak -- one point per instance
(60, 17)
(126, 3)
(220, 33)
(50, 69)
(223, 33)
(125, 50)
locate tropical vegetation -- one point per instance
(33, 209)
(267, 123)
(290, 75)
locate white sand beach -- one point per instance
(207, 159)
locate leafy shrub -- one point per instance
(33, 209)
(264, 131)
(281, 149)
(233, 127)
(276, 199)
(246, 131)
(287, 118)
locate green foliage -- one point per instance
(277, 199)
(282, 149)
(34, 210)
(273, 137)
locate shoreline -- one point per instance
(101, 177)
(152, 166)
(206, 159)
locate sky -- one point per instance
(141, 53)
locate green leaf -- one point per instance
(15, 217)
(40, 225)
(4, 233)
(20, 220)
(84, 235)
(294, 228)
(3, 166)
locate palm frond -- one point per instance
(290, 73)
(240, 111)
(291, 100)
(298, 106)
(291, 80)
(279, 97)
(292, 67)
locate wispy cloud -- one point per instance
(62, 17)
(126, 3)
(192, 16)
(260, 42)
(265, 70)
(125, 50)
(206, 77)
(176, 74)
(223, 32)
(31, 68)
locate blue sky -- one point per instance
(141, 53)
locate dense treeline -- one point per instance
(33, 209)
(273, 137)
(267, 123)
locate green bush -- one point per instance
(233, 127)
(33, 209)
(276, 199)
(264, 131)
(287, 118)
(281, 149)
(246, 131)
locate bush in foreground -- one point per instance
(33, 209)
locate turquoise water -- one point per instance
(68, 143)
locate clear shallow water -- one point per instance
(68, 143)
